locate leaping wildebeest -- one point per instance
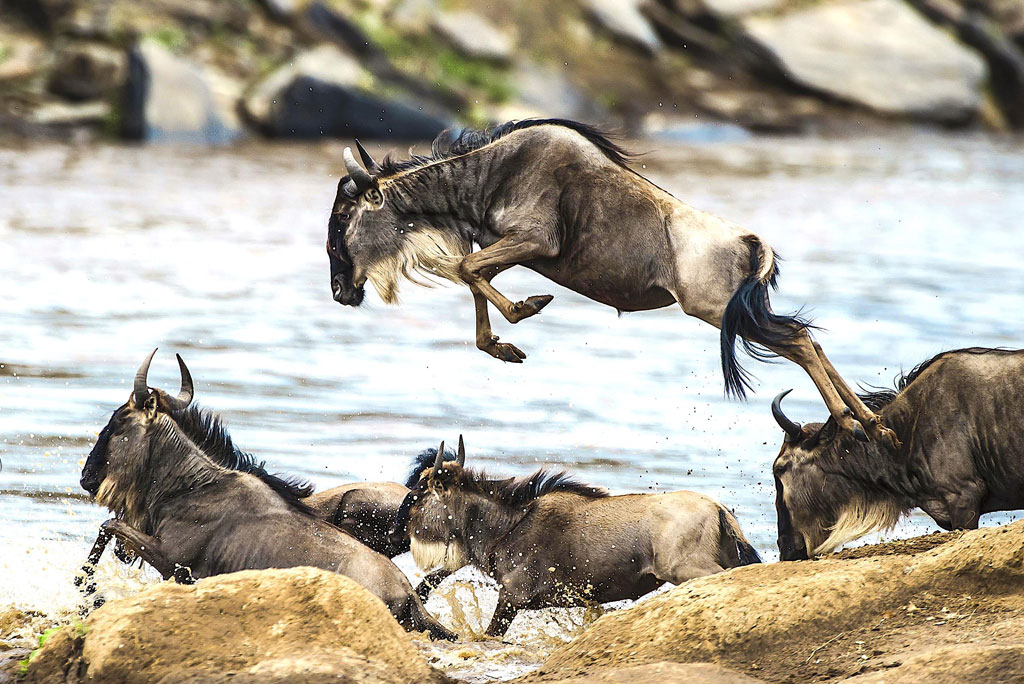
(190, 504)
(960, 417)
(549, 540)
(559, 197)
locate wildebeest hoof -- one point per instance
(531, 306)
(509, 353)
(859, 433)
(887, 437)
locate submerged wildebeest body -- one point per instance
(548, 540)
(960, 417)
(368, 510)
(189, 503)
(558, 197)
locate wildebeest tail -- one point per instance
(730, 530)
(749, 316)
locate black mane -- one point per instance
(879, 397)
(516, 491)
(450, 143)
(425, 459)
(205, 429)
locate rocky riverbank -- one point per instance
(218, 71)
(941, 608)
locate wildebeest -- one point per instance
(959, 416)
(368, 511)
(189, 503)
(558, 197)
(549, 540)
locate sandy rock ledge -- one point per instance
(939, 615)
(299, 625)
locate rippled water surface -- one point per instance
(899, 248)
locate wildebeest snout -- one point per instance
(344, 293)
(792, 547)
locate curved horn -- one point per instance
(793, 430)
(368, 162)
(140, 392)
(356, 172)
(461, 458)
(184, 397)
(439, 460)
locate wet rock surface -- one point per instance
(296, 625)
(830, 619)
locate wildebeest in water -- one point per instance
(192, 505)
(959, 416)
(558, 197)
(368, 511)
(549, 540)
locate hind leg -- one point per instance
(802, 352)
(865, 415)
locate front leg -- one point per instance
(515, 248)
(504, 613)
(149, 549)
(488, 341)
(431, 582)
(89, 571)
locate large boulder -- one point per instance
(473, 36)
(325, 92)
(295, 625)
(169, 99)
(811, 620)
(85, 71)
(877, 53)
(663, 673)
(624, 20)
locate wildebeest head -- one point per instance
(821, 493)
(121, 451)
(380, 232)
(364, 230)
(427, 514)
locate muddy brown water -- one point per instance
(898, 247)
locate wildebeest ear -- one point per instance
(461, 457)
(825, 434)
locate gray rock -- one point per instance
(63, 114)
(169, 99)
(86, 71)
(413, 17)
(327, 93)
(877, 53)
(473, 36)
(726, 9)
(624, 20)
(546, 91)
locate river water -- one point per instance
(899, 247)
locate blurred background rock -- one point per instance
(218, 71)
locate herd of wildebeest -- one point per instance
(557, 197)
